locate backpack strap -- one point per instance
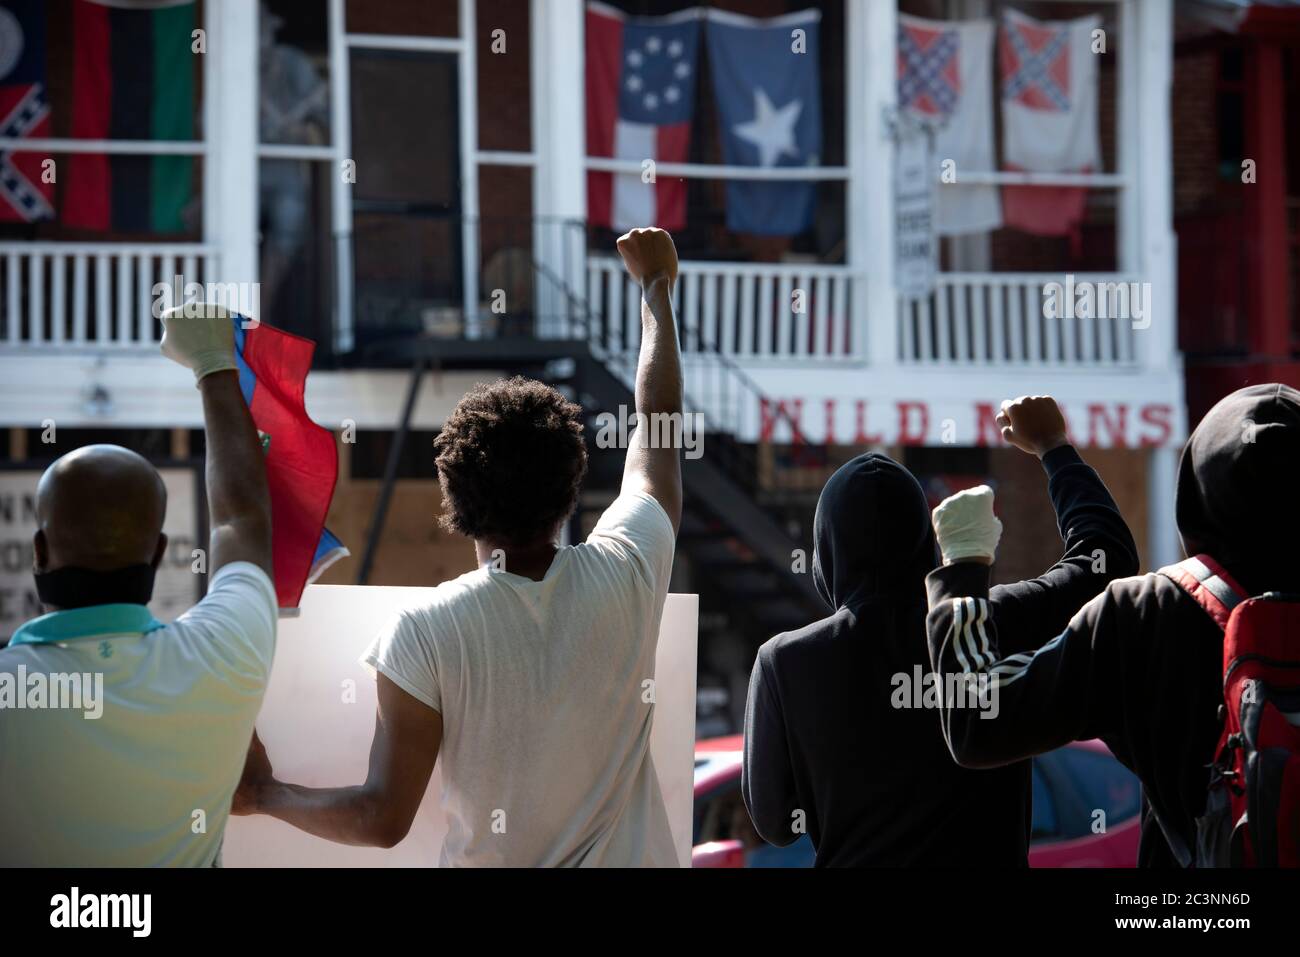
(1218, 593)
(1210, 584)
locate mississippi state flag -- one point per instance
(301, 458)
(945, 79)
(640, 101)
(24, 111)
(1049, 117)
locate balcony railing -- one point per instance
(749, 311)
(996, 319)
(100, 296)
(95, 296)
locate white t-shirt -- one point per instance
(542, 688)
(131, 787)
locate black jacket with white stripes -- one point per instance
(843, 739)
(1141, 665)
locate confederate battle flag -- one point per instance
(24, 112)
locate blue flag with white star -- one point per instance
(766, 82)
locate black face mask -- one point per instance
(81, 587)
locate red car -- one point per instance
(1071, 786)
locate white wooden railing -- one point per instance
(784, 311)
(987, 319)
(100, 295)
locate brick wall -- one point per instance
(1194, 130)
(1030, 541)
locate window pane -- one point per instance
(293, 61)
(428, 18)
(406, 201)
(297, 251)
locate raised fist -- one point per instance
(649, 255)
(1033, 424)
(199, 336)
(966, 527)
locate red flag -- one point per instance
(301, 457)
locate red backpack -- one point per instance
(1252, 811)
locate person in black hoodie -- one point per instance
(1141, 665)
(834, 744)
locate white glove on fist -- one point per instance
(201, 337)
(966, 526)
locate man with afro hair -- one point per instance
(527, 677)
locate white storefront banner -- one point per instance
(1103, 422)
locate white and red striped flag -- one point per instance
(640, 103)
(1049, 118)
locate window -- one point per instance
(296, 171)
(1052, 216)
(125, 159)
(406, 202)
(707, 233)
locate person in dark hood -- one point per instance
(1141, 665)
(842, 735)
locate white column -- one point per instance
(1146, 237)
(470, 248)
(1164, 547)
(1128, 138)
(870, 36)
(560, 145)
(1157, 345)
(230, 71)
(341, 191)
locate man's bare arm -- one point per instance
(378, 813)
(651, 260)
(239, 506)
(201, 337)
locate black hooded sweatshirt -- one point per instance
(1141, 666)
(834, 744)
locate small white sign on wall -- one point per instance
(916, 245)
